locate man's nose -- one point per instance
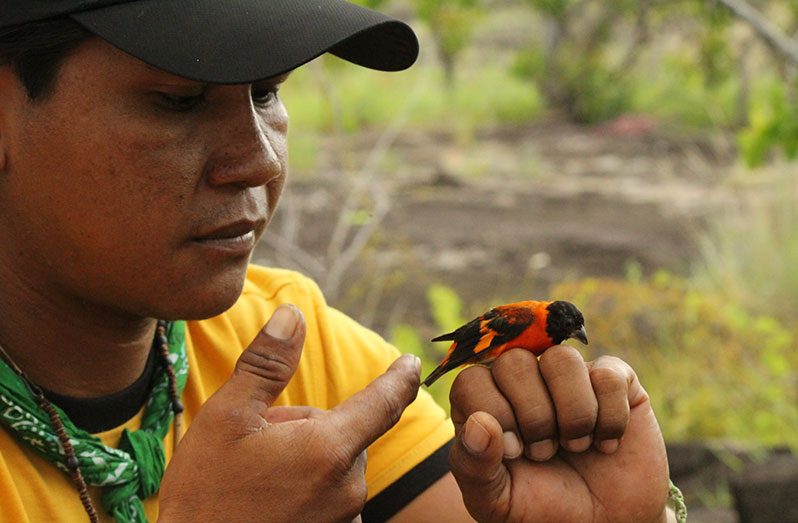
(250, 152)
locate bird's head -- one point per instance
(565, 321)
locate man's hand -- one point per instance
(557, 439)
(243, 460)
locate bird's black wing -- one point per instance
(470, 333)
(508, 323)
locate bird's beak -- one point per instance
(580, 335)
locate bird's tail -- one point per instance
(449, 336)
(435, 374)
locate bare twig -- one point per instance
(306, 261)
(744, 79)
(373, 298)
(291, 218)
(347, 256)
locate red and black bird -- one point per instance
(530, 325)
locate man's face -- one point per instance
(135, 189)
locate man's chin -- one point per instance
(206, 301)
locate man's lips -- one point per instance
(234, 238)
(232, 230)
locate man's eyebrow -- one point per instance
(280, 78)
(165, 77)
(155, 71)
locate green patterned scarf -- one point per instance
(128, 474)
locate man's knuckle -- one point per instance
(513, 373)
(389, 405)
(515, 361)
(578, 424)
(481, 393)
(561, 358)
(612, 427)
(608, 361)
(465, 383)
(607, 380)
(538, 420)
(264, 365)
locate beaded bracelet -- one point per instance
(676, 501)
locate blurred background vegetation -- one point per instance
(714, 339)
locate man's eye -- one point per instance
(264, 95)
(181, 103)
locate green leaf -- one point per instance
(446, 307)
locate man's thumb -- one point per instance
(371, 412)
(266, 366)
(476, 463)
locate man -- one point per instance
(142, 154)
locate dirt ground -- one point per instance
(500, 216)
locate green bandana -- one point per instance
(129, 474)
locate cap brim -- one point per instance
(239, 41)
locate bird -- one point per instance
(530, 325)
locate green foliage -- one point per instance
(601, 95)
(452, 23)
(446, 307)
(714, 50)
(676, 90)
(454, 17)
(773, 124)
(712, 368)
(407, 339)
(553, 8)
(371, 4)
(505, 100)
(577, 70)
(590, 91)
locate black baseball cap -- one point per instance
(233, 41)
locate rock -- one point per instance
(767, 492)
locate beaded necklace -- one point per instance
(128, 474)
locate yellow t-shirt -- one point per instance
(339, 358)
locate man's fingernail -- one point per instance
(282, 323)
(512, 445)
(542, 450)
(475, 438)
(578, 444)
(417, 363)
(609, 446)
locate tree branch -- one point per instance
(767, 30)
(641, 36)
